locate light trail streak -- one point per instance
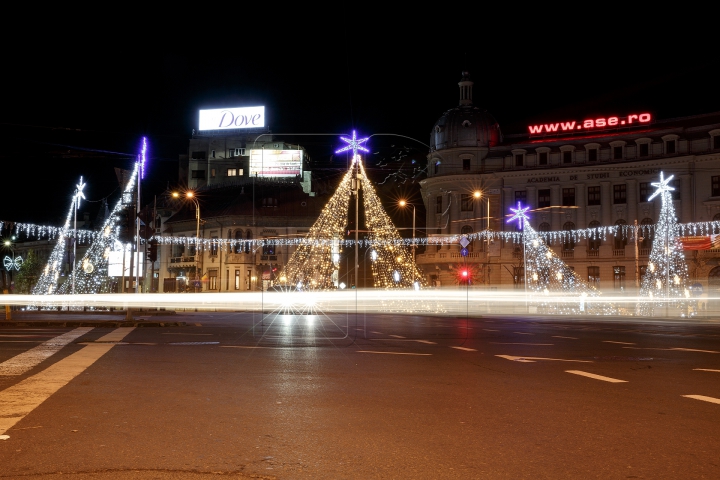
(441, 302)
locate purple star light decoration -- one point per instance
(519, 215)
(353, 144)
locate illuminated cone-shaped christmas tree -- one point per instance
(315, 263)
(554, 286)
(91, 271)
(48, 281)
(664, 285)
(392, 265)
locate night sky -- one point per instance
(82, 113)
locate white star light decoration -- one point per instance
(79, 193)
(662, 186)
(353, 144)
(519, 215)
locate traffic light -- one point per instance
(152, 253)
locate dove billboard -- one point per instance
(232, 118)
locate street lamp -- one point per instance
(478, 194)
(191, 195)
(403, 203)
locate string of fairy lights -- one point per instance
(40, 232)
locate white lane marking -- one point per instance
(198, 324)
(558, 336)
(532, 359)
(22, 398)
(178, 333)
(396, 336)
(596, 377)
(499, 343)
(621, 343)
(428, 342)
(377, 333)
(523, 333)
(706, 369)
(23, 362)
(394, 353)
(490, 330)
(703, 398)
(465, 349)
(675, 349)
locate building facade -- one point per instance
(573, 175)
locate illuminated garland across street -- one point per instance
(554, 237)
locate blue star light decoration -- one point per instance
(662, 186)
(519, 215)
(79, 193)
(353, 144)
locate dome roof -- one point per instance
(465, 125)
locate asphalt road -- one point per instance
(376, 396)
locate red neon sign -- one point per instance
(590, 124)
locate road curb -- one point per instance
(81, 323)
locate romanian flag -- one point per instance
(705, 242)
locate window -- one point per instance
(198, 174)
(593, 155)
(645, 191)
(620, 239)
(232, 172)
(594, 276)
(437, 167)
(248, 280)
(593, 196)
(567, 156)
(676, 185)
(543, 158)
(212, 153)
(248, 237)
(569, 241)
(520, 196)
(670, 146)
(466, 164)
(214, 247)
(544, 198)
(619, 278)
(466, 202)
(236, 152)
(213, 280)
(212, 172)
(716, 186)
(568, 197)
(519, 159)
(438, 204)
(237, 248)
(198, 155)
(644, 149)
(617, 153)
(716, 142)
(544, 227)
(647, 232)
(594, 242)
(619, 194)
(237, 279)
(268, 249)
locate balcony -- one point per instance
(618, 252)
(182, 260)
(568, 254)
(593, 253)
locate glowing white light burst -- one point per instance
(353, 144)
(519, 215)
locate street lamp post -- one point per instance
(402, 203)
(191, 195)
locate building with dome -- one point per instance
(577, 174)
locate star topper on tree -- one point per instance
(662, 186)
(519, 215)
(79, 193)
(353, 144)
